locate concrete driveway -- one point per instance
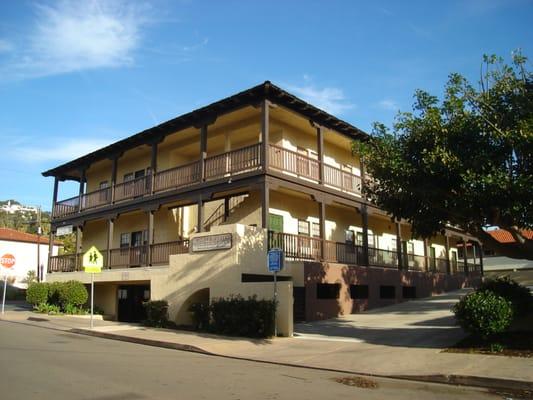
(423, 323)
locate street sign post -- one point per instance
(7, 261)
(92, 262)
(275, 261)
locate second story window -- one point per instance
(124, 240)
(303, 227)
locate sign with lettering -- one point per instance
(64, 230)
(275, 260)
(211, 242)
(7, 261)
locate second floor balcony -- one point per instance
(226, 165)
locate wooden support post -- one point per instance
(79, 246)
(226, 208)
(153, 166)
(265, 133)
(200, 215)
(399, 245)
(203, 151)
(54, 197)
(265, 205)
(447, 249)
(465, 258)
(322, 227)
(426, 255)
(480, 247)
(150, 237)
(320, 152)
(82, 190)
(110, 227)
(113, 182)
(364, 217)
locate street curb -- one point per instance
(146, 342)
(456, 380)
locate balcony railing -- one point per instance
(293, 162)
(382, 258)
(178, 177)
(343, 253)
(295, 247)
(234, 162)
(126, 257)
(415, 262)
(225, 165)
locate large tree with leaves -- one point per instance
(465, 160)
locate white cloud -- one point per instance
(61, 150)
(329, 99)
(71, 36)
(388, 104)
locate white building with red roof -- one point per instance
(21, 252)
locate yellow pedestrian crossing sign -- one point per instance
(93, 261)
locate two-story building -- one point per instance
(186, 211)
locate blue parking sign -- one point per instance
(275, 260)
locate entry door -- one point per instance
(130, 302)
(137, 251)
(298, 313)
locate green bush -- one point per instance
(37, 293)
(518, 295)
(53, 292)
(156, 313)
(200, 315)
(243, 317)
(72, 293)
(483, 313)
(74, 310)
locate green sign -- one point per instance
(93, 261)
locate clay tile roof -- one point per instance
(503, 236)
(17, 236)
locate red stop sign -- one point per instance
(7, 260)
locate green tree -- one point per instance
(465, 160)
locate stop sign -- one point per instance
(7, 260)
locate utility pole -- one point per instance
(40, 274)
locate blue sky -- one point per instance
(78, 75)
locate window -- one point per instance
(104, 184)
(359, 292)
(316, 229)
(303, 227)
(409, 292)
(122, 294)
(328, 290)
(349, 237)
(128, 177)
(359, 239)
(124, 240)
(387, 292)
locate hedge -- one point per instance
(518, 295)
(63, 295)
(237, 316)
(72, 293)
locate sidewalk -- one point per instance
(340, 354)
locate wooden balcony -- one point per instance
(225, 165)
(127, 257)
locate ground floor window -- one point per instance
(409, 292)
(359, 292)
(387, 292)
(328, 290)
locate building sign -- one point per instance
(7, 261)
(212, 242)
(275, 260)
(64, 230)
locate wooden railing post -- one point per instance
(203, 151)
(150, 238)
(322, 222)
(110, 227)
(364, 217)
(265, 205)
(81, 190)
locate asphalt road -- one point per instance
(40, 363)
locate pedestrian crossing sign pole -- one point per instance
(92, 263)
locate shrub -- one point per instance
(74, 310)
(45, 308)
(53, 292)
(200, 315)
(37, 293)
(518, 295)
(72, 293)
(243, 317)
(156, 313)
(483, 313)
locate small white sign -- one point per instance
(211, 242)
(64, 230)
